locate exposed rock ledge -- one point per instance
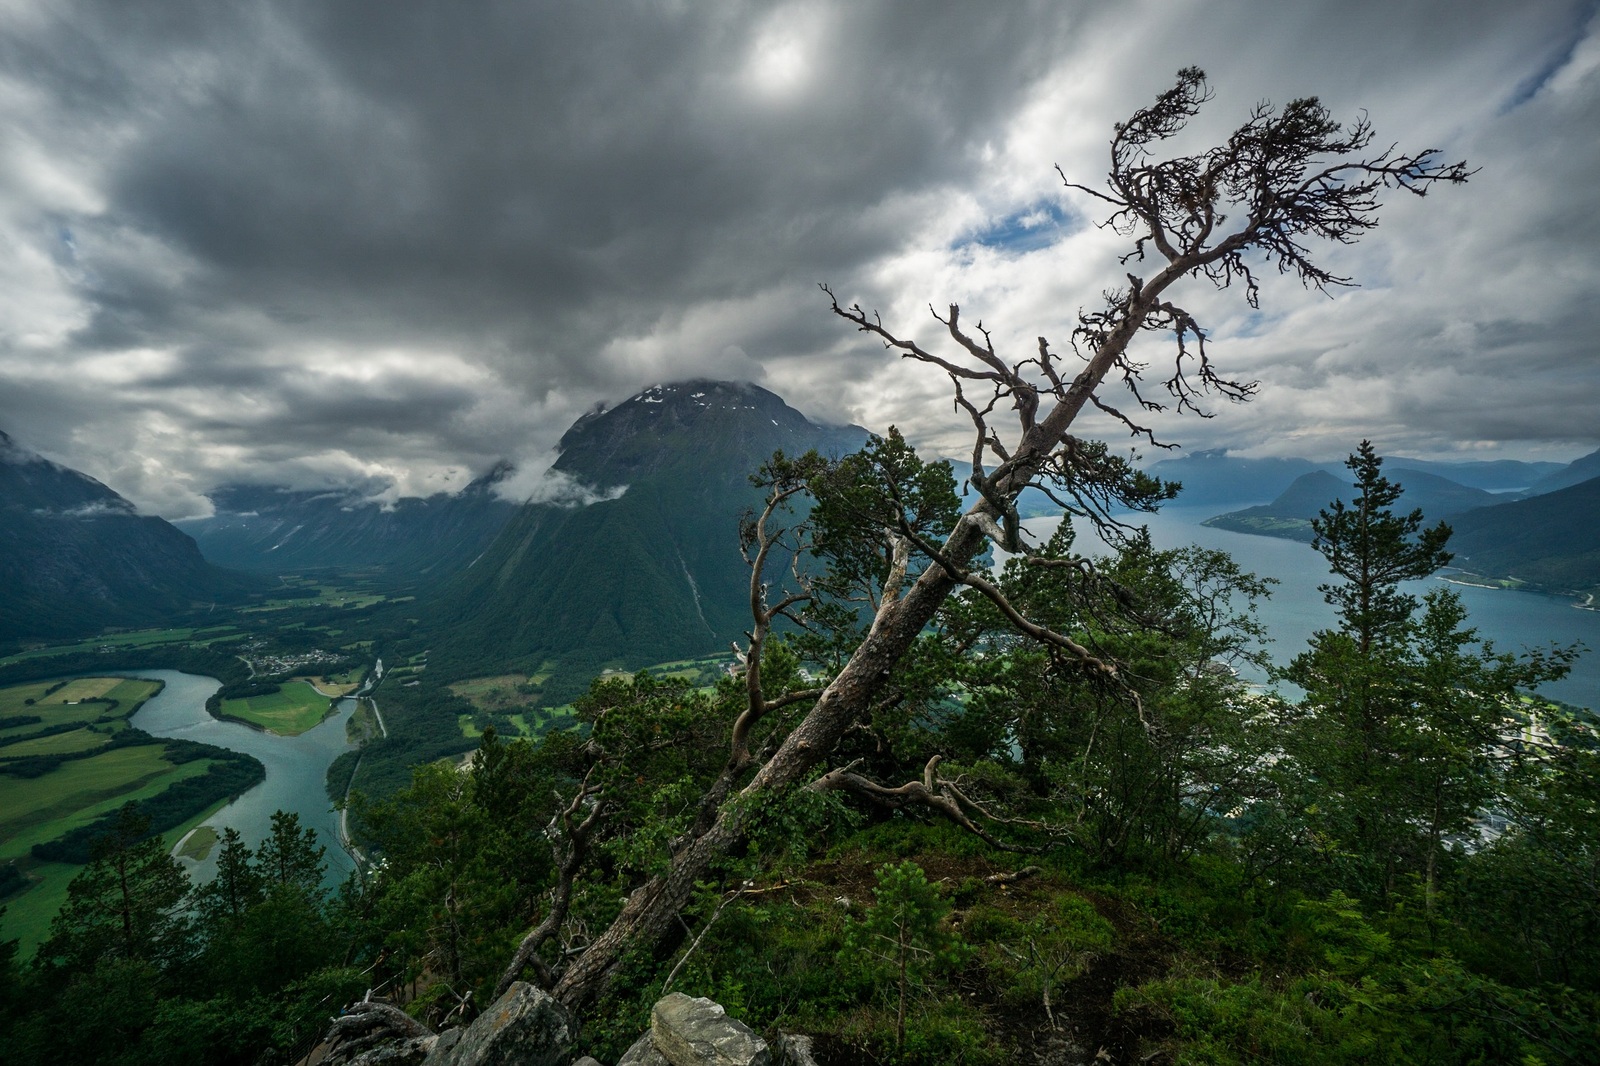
(526, 1027)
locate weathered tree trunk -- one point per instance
(1283, 178)
(651, 911)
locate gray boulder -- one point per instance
(795, 1050)
(411, 1051)
(524, 1027)
(698, 1032)
(643, 1053)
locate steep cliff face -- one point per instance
(651, 575)
(273, 530)
(75, 557)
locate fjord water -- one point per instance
(1511, 620)
(296, 766)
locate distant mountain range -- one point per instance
(651, 575)
(1216, 477)
(640, 562)
(1290, 514)
(1542, 535)
(76, 558)
(276, 530)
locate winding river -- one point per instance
(296, 767)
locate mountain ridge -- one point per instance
(1290, 514)
(651, 575)
(77, 558)
(272, 530)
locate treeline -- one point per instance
(230, 775)
(32, 766)
(143, 967)
(187, 659)
(423, 726)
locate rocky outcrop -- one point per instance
(697, 1032)
(524, 1027)
(643, 1053)
(795, 1050)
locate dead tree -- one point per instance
(1281, 180)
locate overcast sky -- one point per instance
(387, 244)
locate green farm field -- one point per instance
(65, 705)
(77, 791)
(292, 710)
(327, 596)
(33, 810)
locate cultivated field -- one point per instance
(34, 810)
(340, 684)
(292, 710)
(56, 703)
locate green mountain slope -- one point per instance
(1547, 540)
(77, 558)
(651, 575)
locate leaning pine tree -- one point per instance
(1279, 181)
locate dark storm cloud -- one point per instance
(392, 243)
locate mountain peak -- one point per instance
(730, 425)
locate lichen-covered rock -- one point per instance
(411, 1051)
(794, 1050)
(587, 1060)
(643, 1053)
(698, 1032)
(524, 1027)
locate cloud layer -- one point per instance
(321, 244)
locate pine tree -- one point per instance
(238, 884)
(1374, 550)
(1392, 748)
(127, 903)
(291, 856)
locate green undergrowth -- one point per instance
(1191, 965)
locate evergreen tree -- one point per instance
(1374, 550)
(127, 903)
(291, 856)
(904, 935)
(237, 886)
(1391, 751)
